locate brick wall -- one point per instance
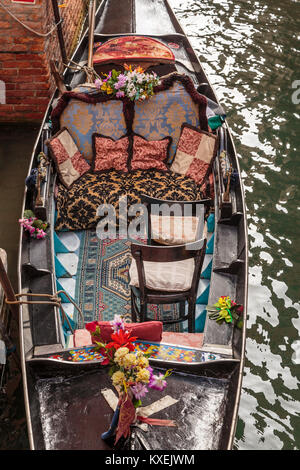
(26, 83)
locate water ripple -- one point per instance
(250, 51)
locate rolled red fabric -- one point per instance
(146, 331)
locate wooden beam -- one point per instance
(59, 32)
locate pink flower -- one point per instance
(120, 94)
(121, 81)
(117, 323)
(158, 382)
(40, 233)
(31, 230)
(23, 222)
(98, 83)
(139, 390)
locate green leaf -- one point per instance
(112, 370)
(136, 403)
(27, 214)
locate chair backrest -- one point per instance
(170, 253)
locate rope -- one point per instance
(89, 71)
(53, 300)
(28, 27)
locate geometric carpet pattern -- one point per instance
(102, 281)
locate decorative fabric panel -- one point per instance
(77, 207)
(150, 154)
(109, 153)
(164, 113)
(173, 276)
(195, 152)
(69, 162)
(84, 118)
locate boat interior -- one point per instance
(163, 283)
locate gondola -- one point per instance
(66, 407)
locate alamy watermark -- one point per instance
(296, 94)
(173, 220)
(2, 92)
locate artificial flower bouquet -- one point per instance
(34, 226)
(134, 84)
(226, 310)
(130, 372)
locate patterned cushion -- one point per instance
(150, 154)
(69, 162)
(195, 152)
(77, 207)
(109, 153)
(173, 276)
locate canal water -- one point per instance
(250, 51)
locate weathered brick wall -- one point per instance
(26, 83)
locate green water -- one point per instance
(250, 51)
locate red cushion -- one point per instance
(147, 331)
(110, 154)
(148, 154)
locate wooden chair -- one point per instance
(158, 283)
(162, 212)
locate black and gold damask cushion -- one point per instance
(77, 207)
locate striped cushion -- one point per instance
(171, 276)
(69, 162)
(174, 230)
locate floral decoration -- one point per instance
(134, 84)
(130, 371)
(36, 227)
(226, 310)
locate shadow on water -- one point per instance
(16, 144)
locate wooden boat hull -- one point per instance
(64, 406)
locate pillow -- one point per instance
(110, 154)
(171, 276)
(195, 152)
(173, 230)
(148, 154)
(146, 331)
(69, 162)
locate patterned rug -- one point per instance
(102, 282)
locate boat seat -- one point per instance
(77, 206)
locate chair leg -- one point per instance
(143, 311)
(182, 308)
(133, 308)
(191, 317)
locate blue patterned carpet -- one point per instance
(102, 281)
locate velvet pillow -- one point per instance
(195, 152)
(148, 154)
(110, 154)
(69, 162)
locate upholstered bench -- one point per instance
(77, 206)
(89, 126)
